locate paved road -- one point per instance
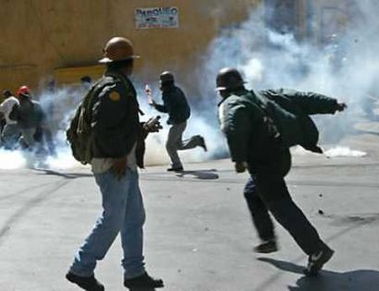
(198, 231)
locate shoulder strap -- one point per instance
(125, 81)
(260, 103)
(96, 88)
(256, 100)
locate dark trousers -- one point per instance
(267, 192)
(258, 211)
(175, 143)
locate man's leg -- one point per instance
(131, 230)
(132, 240)
(114, 196)
(261, 218)
(274, 193)
(174, 141)
(190, 143)
(28, 136)
(10, 135)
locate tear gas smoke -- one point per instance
(10, 160)
(343, 152)
(345, 69)
(60, 106)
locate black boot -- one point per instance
(316, 261)
(86, 283)
(143, 281)
(266, 247)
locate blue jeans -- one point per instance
(123, 212)
(28, 136)
(10, 135)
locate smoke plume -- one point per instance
(341, 64)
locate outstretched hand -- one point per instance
(341, 106)
(240, 167)
(153, 124)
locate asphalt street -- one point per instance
(198, 233)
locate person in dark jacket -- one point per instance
(117, 150)
(10, 133)
(178, 109)
(30, 117)
(258, 135)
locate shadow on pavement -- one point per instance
(64, 175)
(362, 280)
(202, 174)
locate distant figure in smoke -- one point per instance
(10, 132)
(369, 106)
(259, 128)
(178, 109)
(49, 103)
(30, 118)
(86, 82)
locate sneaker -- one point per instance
(143, 281)
(86, 283)
(317, 260)
(202, 143)
(266, 247)
(175, 169)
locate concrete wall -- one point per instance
(40, 36)
(41, 39)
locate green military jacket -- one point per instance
(115, 119)
(250, 118)
(290, 110)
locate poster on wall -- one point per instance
(156, 17)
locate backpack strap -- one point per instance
(260, 103)
(88, 99)
(124, 81)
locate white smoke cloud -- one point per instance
(59, 105)
(345, 69)
(344, 152)
(10, 160)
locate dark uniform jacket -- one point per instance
(175, 104)
(28, 113)
(115, 118)
(290, 111)
(261, 126)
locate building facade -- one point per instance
(63, 40)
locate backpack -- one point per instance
(286, 119)
(294, 126)
(79, 133)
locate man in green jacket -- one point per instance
(259, 128)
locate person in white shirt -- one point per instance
(11, 132)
